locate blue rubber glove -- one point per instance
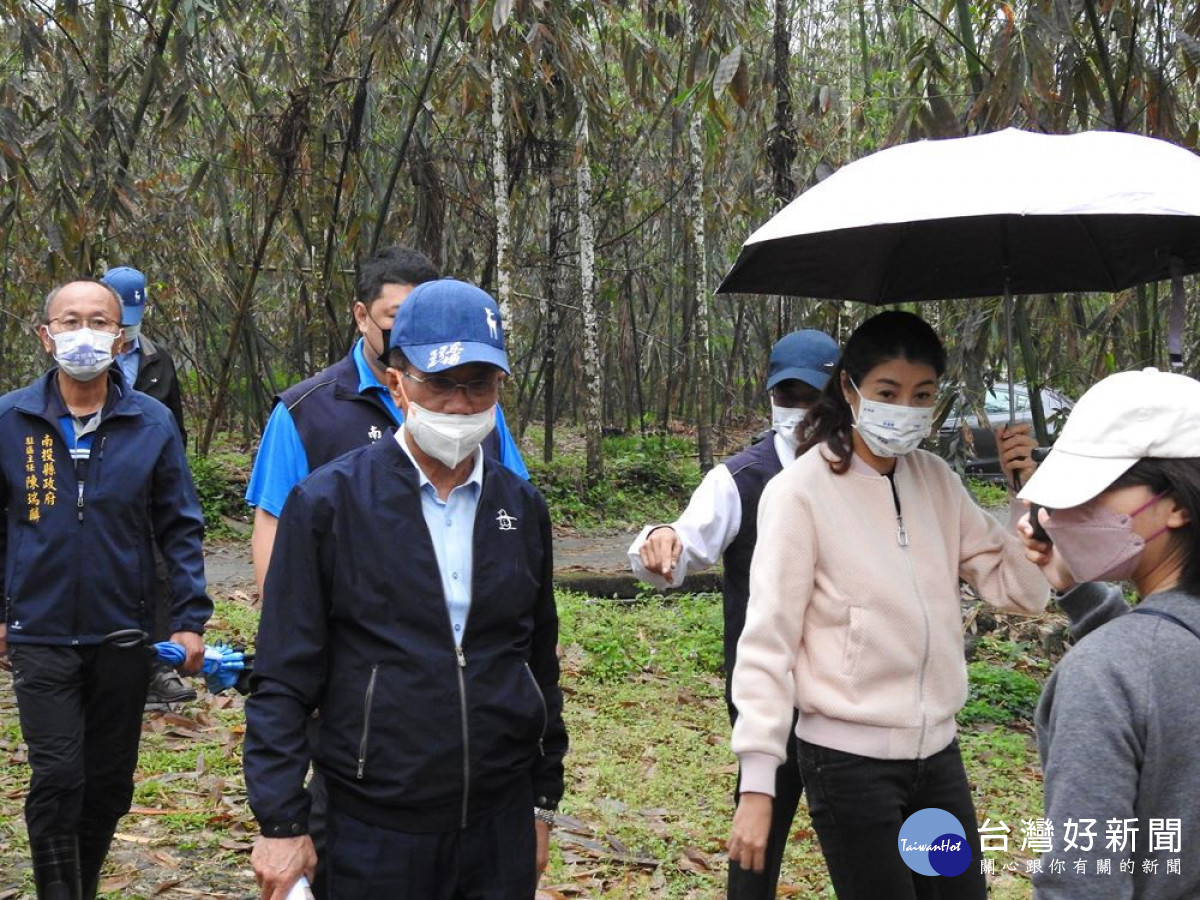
(222, 664)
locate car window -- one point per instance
(996, 402)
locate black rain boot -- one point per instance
(56, 868)
(93, 848)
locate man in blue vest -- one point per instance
(720, 522)
(345, 406)
(411, 596)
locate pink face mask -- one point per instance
(1098, 544)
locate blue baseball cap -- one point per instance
(130, 285)
(448, 323)
(808, 355)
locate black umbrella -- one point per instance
(991, 215)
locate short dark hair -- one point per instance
(392, 265)
(893, 334)
(1179, 479)
(394, 358)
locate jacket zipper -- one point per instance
(902, 540)
(365, 740)
(91, 472)
(462, 700)
(545, 711)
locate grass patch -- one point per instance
(642, 478)
(988, 493)
(220, 478)
(1003, 683)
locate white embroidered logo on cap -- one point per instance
(506, 522)
(491, 320)
(445, 355)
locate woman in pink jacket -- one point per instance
(855, 620)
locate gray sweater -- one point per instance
(1118, 731)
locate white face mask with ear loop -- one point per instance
(889, 429)
(84, 353)
(784, 420)
(448, 437)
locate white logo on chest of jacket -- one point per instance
(505, 521)
(374, 433)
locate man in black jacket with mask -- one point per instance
(410, 596)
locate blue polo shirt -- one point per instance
(282, 463)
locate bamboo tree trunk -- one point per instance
(587, 298)
(704, 387)
(500, 197)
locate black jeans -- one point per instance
(858, 805)
(81, 717)
(491, 859)
(746, 884)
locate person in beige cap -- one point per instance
(1117, 722)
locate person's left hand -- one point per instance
(194, 645)
(543, 845)
(1015, 445)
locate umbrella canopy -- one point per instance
(982, 216)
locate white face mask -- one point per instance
(889, 429)
(784, 420)
(131, 332)
(83, 353)
(448, 437)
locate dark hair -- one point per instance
(394, 358)
(893, 334)
(1180, 480)
(392, 265)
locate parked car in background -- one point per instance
(980, 453)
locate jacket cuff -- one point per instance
(758, 773)
(282, 829)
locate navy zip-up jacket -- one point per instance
(80, 565)
(413, 735)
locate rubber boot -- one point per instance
(93, 848)
(56, 868)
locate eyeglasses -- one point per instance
(96, 323)
(441, 386)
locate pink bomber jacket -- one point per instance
(855, 620)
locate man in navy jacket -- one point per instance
(92, 476)
(411, 600)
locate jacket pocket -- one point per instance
(364, 740)
(856, 636)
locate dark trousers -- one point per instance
(858, 805)
(81, 717)
(746, 884)
(492, 859)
